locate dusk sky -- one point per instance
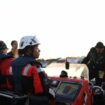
(64, 27)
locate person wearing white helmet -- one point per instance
(27, 72)
(28, 41)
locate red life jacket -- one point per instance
(27, 76)
(31, 71)
(4, 72)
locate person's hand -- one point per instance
(52, 97)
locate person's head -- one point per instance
(3, 47)
(14, 44)
(29, 46)
(63, 74)
(99, 47)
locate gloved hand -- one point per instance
(51, 97)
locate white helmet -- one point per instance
(28, 40)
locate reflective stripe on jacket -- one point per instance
(29, 71)
(26, 66)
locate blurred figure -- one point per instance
(63, 74)
(14, 49)
(98, 96)
(5, 61)
(95, 60)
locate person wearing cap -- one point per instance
(95, 60)
(5, 61)
(29, 78)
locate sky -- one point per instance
(63, 27)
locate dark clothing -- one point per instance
(10, 53)
(29, 79)
(13, 53)
(30, 73)
(96, 63)
(3, 56)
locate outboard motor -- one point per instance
(98, 95)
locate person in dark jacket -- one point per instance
(5, 61)
(28, 76)
(95, 60)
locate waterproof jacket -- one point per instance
(28, 77)
(5, 61)
(94, 60)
